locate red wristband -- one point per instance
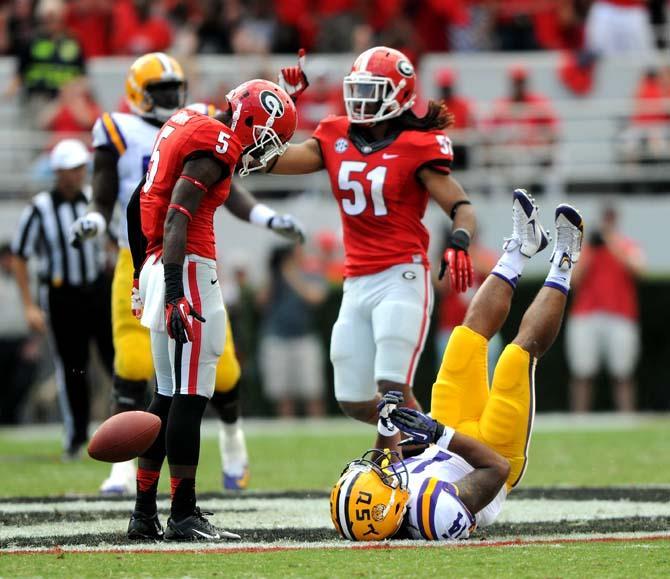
(181, 210)
(194, 182)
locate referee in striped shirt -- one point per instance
(74, 297)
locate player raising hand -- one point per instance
(384, 164)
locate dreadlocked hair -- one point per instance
(437, 116)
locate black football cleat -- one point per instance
(144, 527)
(196, 528)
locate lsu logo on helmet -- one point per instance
(369, 500)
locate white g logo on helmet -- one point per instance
(405, 68)
(271, 103)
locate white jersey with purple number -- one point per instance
(434, 511)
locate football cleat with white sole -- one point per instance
(144, 527)
(569, 236)
(196, 527)
(121, 480)
(527, 231)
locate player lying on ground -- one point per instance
(188, 177)
(384, 164)
(478, 437)
(155, 90)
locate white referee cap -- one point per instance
(68, 154)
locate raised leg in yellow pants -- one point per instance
(501, 418)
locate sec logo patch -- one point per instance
(341, 145)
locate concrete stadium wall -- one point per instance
(645, 219)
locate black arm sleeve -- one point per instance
(138, 243)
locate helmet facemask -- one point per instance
(267, 145)
(369, 99)
(387, 464)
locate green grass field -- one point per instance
(639, 559)
(311, 456)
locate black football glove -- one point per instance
(420, 428)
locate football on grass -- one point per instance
(124, 436)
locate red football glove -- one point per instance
(457, 260)
(293, 78)
(461, 272)
(179, 327)
(136, 304)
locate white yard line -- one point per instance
(341, 544)
(303, 514)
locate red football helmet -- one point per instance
(380, 86)
(263, 119)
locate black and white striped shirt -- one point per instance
(44, 232)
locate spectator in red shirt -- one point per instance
(647, 138)
(453, 305)
(603, 322)
(524, 119)
(464, 116)
(72, 114)
(139, 27)
(651, 104)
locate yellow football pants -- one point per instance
(501, 418)
(132, 344)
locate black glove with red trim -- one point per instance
(457, 260)
(293, 78)
(177, 308)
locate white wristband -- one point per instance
(99, 220)
(444, 440)
(385, 430)
(261, 214)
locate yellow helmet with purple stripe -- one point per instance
(369, 500)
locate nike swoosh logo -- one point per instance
(182, 309)
(213, 281)
(387, 156)
(205, 535)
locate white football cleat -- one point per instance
(527, 231)
(569, 236)
(121, 481)
(234, 458)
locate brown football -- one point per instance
(124, 436)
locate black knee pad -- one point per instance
(227, 404)
(129, 394)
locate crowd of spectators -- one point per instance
(132, 27)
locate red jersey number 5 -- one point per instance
(348, 181)
(155, 157)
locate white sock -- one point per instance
(510, 266)
(233, 448)
(559, 279)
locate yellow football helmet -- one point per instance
(156, 86)
(369, 500)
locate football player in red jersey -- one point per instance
(384, 164)
(188, 177)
